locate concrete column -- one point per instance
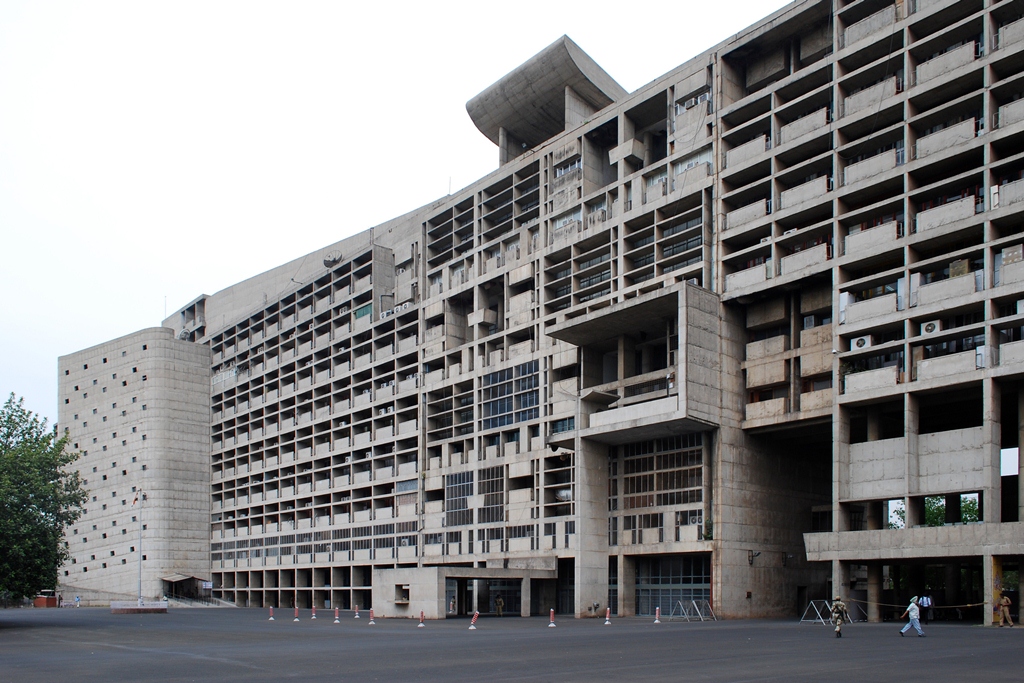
(840, 579)
(992, 420)
(476, 596)
(911, 428)
(1020, 455)
(874, 592)
(874, 419)
(627, 586)
(991, 570)
(875, 519)
(915, 511)
(591, 538)
(524, 608)
(953, 514)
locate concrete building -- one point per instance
(137, 408)
(705, 341)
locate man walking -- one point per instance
(915, 618)
(839, 614)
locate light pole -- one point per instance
(140, 498)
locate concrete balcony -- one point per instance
(869, 309)
(1012, 273)
(806, 258)
(944, 63)
(767, 347)
(952, 460)
(958, 134)
(816, 362)
(767, 374)
(816, 400)
(944, 290)
(946, 366)
(870, 25)
(747, 151)
(815, 121)
(814, 190)
(1011, 193)
(877, 469)
(872, 380)
(747, 214)
(1011, 354)
(869, 97)
(1011, 33)
(773, 409)
(691, 177)
(864, 240)
(946, 214)
(954, 541)
(868, 169)
(748, 277)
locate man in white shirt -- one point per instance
(915, 614)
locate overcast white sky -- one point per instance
(162, 149)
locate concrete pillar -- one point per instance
(874, 592)
(524, 608)
(992, 421)
(627, 586)
(911, 427)
(953, 515)
(992, 571)
(874, 419)
(875, 519)
(840, 579)
(1020, 454)
(476, 596)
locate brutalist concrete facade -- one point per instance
(137, 409)
(699, 342)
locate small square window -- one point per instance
(85, 569)
(94, 411)
(104, 390)
(92, 557)
(143, 437)
(124, 413)
(133, 429)
(67, 372)
(76, 444)
(93, 469)
(104, 418)
(134, 398)
(104, 535)
(104, 565)
(143, 378)
(143, 406)
(124, 472)
(85, 394)
(94, 439)
(143, 468)
(76, 387)
(123, 442)
(124, 384)
(95, 382)
(67, 401)
(76, 416)
(133, 458)
(85, 366)
(123, 354)
(124, 532)
(113, 376)
(94, 499)
(144, 347)
(104, 360)
(113, 406)
(124, 561)
(104, 477)
(135, 369)
(104, 449)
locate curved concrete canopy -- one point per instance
(529, 102)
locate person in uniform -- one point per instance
(1004, 611)
(499, 605)
(838, 615)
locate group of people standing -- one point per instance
(839, 614)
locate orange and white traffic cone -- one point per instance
(296, 613)
(271, 614)
(336, 620)
(608, 616)
(657, 615)
(472, 624)
(314, 612)
(371, 622)
(551, 624)
(421, 620)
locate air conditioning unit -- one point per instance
(401, 270)
(931, 327)
(861, 342)
(366, 392)
(391, 383)
(790, 231)
(382, 412)
(406, 306)
(383, 385)
(389, 410)
(694, 281)
(403, 541)
(766, 239)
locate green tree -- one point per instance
(39, 498)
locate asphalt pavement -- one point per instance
(227, 645)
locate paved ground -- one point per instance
(227, 645)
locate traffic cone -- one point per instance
(472, 624)
(657, 615)
(314, 612)
(551, 624)
(608, 616)
(421, 620)
(271, 614)
(371, 622)
(296, 613)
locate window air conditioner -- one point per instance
(790, 231)
(931, 327)
(381, 412)
(766, 239)
(861, 342)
